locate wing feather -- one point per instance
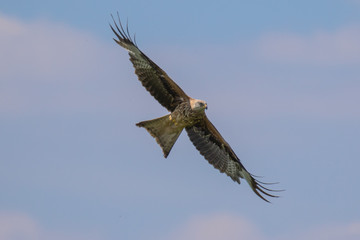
(152, 77)
(218, 152)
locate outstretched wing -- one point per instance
(218, 152)
(152, 77)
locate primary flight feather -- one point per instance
(185, 112)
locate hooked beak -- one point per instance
(205, 106)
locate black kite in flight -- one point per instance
(185, 112)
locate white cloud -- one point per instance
(231, 227)
(350, 231)
(17, 225)
(20, 226)
(45, 51)
(216, 227)
(320, 48)
(52, 68)
(48, 67)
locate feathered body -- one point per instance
(185, 113)
(167, 129)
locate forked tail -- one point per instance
(164, 131)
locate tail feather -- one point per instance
(164, 131)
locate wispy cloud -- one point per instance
(232, 227)
(18, 226)
(14, 226)
(48, 67)
(216, 227)
(320, 48)
(52, 68)
(349, 231)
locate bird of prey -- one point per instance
(185, 113)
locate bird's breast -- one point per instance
(184, 116)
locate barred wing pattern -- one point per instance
(152, 77)
(203, 134)
(218, 152)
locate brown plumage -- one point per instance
(185, 112)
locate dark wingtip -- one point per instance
(123, 34)
(260, 190)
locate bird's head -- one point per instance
(198, 105)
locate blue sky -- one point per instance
(282, 84)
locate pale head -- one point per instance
(198, 105)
